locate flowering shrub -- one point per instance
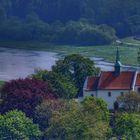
(24, 94)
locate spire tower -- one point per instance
(118, 64)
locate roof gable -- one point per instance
(92, 83)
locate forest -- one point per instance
(78, 22)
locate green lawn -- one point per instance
(128, 51)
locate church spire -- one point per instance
(117, 63)
(117, 55)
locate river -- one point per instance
(19, 63)
(107, 66)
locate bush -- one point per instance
(24, 94)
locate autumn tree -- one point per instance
(24, 94)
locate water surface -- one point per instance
(18, 63)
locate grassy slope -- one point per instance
(128, 50)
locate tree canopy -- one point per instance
(68, 75)
(77, 68)
(127, 126)
(63, 119)
(15, 125)
(69, 21)
(24, 94)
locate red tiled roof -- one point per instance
(138, 80)
(110, 81)
(92, 83)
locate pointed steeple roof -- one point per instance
(117, 63)
(117, 55)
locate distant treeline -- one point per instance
(86, 22)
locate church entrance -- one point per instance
(116, 106)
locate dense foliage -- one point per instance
(68, 75)
(24, 94)
(62, 86)
(52, 20)
(62, 119)
(127, 126)
(77, 68)
(15, 125)
(130, 101)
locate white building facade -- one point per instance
(111, 84)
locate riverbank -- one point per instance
(108, 66)
(128, 52)
(19, 63)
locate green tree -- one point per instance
(62, 86)
(15, 125)
(67, 120)
(77, 68)
(45, 110)
(39, 74)
(127, 126)
(100, 105)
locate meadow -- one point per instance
(128, 49)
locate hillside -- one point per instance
(80, 22)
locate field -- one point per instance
(128, 50)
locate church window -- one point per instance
(109, 94)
